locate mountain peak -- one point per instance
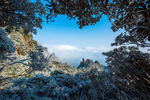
(88, 63)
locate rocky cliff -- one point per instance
(20, 54)
(15, 48)
(89, 63)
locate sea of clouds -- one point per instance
(73, 54)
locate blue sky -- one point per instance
(65, 31)
(70, 43)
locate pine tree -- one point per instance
(21, 14)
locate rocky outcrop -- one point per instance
(88, 63)
(23, 42)
(20, 55)
(14, 53)
(14, 65)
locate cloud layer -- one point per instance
(73, 55)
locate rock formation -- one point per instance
(89, 64)
(23, 42)
(20, 54)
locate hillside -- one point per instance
(27, 72)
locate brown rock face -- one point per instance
(15, 48)
(24, 37)
(18, 51)
(24, 43)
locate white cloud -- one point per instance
(96, 49)
(66, 47)
(73, 55)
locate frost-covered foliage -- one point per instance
(6, 44)
(38, 60)
(87, 12)
(131, 15)
(21, 14)
(131, 70)
(92, 85)
(134, 17)
(89, 85)
(58, 86)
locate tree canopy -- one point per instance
(21, 14)
(131, 15)
(131, 69)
